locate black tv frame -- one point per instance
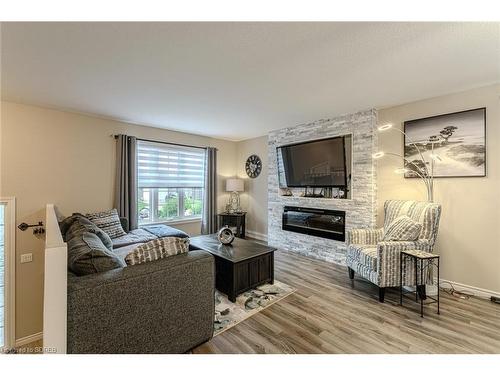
(314, 141)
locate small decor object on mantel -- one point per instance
(225, 235)
(253, 166)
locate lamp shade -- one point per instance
(234, 184)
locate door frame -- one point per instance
(10, 270)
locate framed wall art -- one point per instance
(457, 141)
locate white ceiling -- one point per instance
(241, 80)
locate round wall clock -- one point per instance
(253, 166)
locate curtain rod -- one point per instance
(167, 143)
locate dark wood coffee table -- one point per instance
(239, 267)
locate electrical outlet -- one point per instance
(26, 258)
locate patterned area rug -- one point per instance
(228, 314)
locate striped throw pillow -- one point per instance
(109, 222)
(157, 249)
(403, 228)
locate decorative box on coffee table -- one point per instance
(239, 267)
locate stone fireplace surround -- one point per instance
(360, 209)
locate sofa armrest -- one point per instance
(166, 306)
(364, 236)
(388, 260)
(124, 223)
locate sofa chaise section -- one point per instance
(166, 306)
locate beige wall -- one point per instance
(254, 199)
(469, 234)
(49, 156)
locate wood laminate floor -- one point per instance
(331, 314)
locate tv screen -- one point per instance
(320, 163)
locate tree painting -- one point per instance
(457, 139)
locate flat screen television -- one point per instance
(318, 163)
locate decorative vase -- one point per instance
(225, 235)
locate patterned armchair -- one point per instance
(377, 260)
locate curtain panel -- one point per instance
(126, 179)
(209, 217)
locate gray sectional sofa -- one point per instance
(165, 306)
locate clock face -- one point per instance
(253, 166)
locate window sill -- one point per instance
(174, 222)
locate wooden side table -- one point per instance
(426, 260)
(235, 219)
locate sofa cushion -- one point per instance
(364, 254)
(133, 237)
(403, 228)
(157, 249)
(162, 230)
(123, 251)
(87, 255)
(108, 221)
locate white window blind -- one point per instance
(169, 166)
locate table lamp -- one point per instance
(234, 186)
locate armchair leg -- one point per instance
(381, 294)
(351, 272)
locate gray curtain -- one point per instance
(126, 179)
(209, 218)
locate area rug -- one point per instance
(228, 314)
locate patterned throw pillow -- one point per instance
(403, 228)
(157, 249)
(109, 222)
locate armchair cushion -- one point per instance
(403, 228)
(364, 254)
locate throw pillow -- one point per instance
(103, 236)
(109, 222)
(157, 249)
(77, 224)
(73, 224)
(87, 255)
(403, 228)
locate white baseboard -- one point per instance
(29, 339)
(478, 292)
(256, 235)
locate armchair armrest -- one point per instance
(364, 236)
(388, 258)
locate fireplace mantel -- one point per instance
(360, 210)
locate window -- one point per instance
(170, 182)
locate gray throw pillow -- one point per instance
(108, 221)
(88, 255)
(103, 236)
(403, 228)
(72, 225)
(76, 224)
